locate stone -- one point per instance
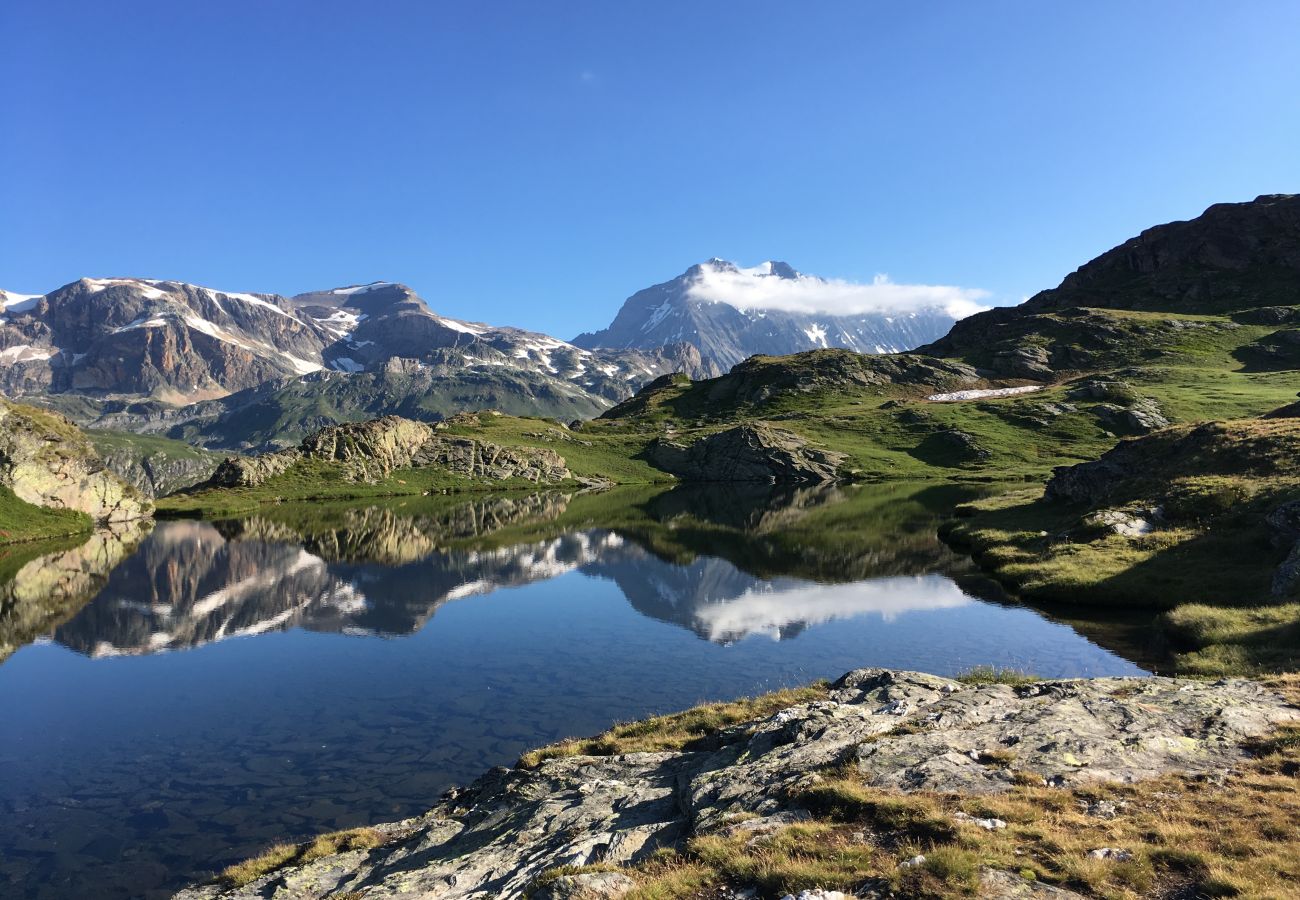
(987, 824)
(1286, 577)
(757, 452)
(1024, 362)
(819, 894)
(1284, 524)
(46, 461)
(1143, 416)
(496, 837)
(1111, 853)
(1122, 522)
(999, 885)
(588, 886)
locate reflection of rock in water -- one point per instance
(50, 586)
(383, 535)
(748, 505)
(385, 571)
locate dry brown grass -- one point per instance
(281, 855)
(1236, 836)
(676, 731)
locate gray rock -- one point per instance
(998, 885)
(1141, 417)
(1286, 578)
(1122, 522)
(1024, 362)
(587, 886)
(1111, 853)
(902, 730)
(987, 824)
(1284, 524)
(757, 452)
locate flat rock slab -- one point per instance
(496, 837)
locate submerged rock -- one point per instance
(758, 452)
(901, 730)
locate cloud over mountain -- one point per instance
(775, 287)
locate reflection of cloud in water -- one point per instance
(776, 609)
(189, 585)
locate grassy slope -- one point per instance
(22, 521)
(142, 445)
(597, 456)
(1205, 573)
(888, 431)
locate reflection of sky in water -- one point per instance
(140, 768)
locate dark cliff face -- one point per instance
(1241, 258)
(677, 311)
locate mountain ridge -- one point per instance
(681, 309)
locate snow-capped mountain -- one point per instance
(120, 340)
(730, 313)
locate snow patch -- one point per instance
(980, 394)
(144, 287)
(817, 334)
(11, 302)
(362, 288)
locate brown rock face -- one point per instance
(757, 452)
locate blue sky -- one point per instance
(534, 163)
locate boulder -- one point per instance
(46, 461)
(587, 886)
(1024, 362)
(1143, 416)
(758, 452)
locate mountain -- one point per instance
(691, 308)
(242, 370)
(1239, 260)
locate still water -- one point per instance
(175, 700)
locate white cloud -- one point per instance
(755, 288)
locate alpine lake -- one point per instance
(177, 696)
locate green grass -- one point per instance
(1205, 571)
(21, 521)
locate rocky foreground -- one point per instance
(898, 731)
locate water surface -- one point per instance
(181, 699)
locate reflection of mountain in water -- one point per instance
(722, 604)
(189, 585)
(48, 582)
(721, 562)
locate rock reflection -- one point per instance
(724, 563)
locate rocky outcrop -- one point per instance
(371, 451)
(899, 730)
(156, 471)
(45, 460)
(758, 452)
(1143, 416)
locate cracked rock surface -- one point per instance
(496, 837)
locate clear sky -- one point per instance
(533, 163)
